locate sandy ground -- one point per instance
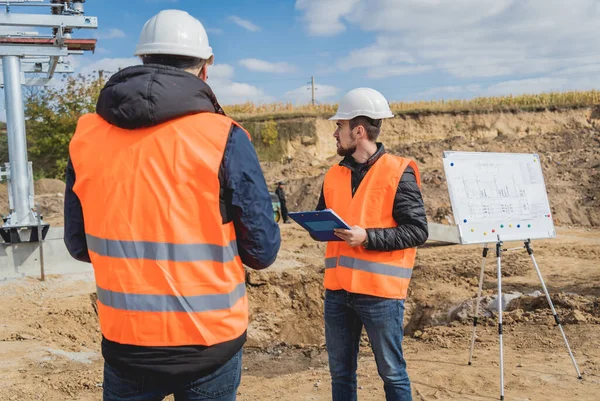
(49, 338)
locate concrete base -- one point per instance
(443, 233)
(23, 259)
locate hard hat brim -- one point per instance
(370, 114)
(157, 48)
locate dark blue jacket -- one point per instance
(144, 96)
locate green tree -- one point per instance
(269, 132)
(51, 117)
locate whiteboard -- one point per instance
(498, 196)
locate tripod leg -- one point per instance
(499, 258)
(556, 319)
(484, 255)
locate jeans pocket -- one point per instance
(118, 385)
(223, 381)
(401, 306)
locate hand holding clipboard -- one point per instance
(320, 224)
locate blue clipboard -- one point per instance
(320, 224)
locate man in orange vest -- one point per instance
(166, 198)
(367, 273)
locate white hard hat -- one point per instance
(363, 102)
(174, 32)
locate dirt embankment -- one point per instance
(568, 143)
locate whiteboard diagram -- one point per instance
(498, 195)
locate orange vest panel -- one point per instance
(167, 269)
(357, 270)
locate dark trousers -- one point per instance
(220, 385)
(284, 212)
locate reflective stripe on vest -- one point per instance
(162, 250)
(330, 263)
(374, 267)
(167, 269)
(170, 303)
(368, 266)
(377, 273)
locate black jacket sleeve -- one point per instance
(321, 204)
(74, 236)
(258, 236)
(409, 213)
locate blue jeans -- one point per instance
(345, 315)
(221, 385)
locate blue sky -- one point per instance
(268, 50)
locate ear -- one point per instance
(203, 73)
(361, 132)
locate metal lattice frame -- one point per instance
(26, 53)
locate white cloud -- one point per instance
(584, 69)
(303, 94)
(441, 91)
(395, 70)
(424, 15)
(520, 86)
(323, 17)
(374, 55)
(265, 66)
(215, 31)
(221, 71)
(236, 93)
(76, 61)
(480, 40)
(551, 83)
(331, 17)
(248, 25)
(113, 33)
(220, 79)
(583, 78)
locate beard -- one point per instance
(346, 151)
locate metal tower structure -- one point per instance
(24, 53)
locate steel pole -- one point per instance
(556, 319)
(500, 310)
(17, 143)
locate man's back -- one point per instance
(178, 196)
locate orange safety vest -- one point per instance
(357, 270)
(167, 269)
